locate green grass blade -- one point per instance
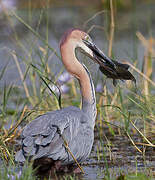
(41, 77)
(3, 71)
(36, 34)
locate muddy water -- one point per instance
(119, 155)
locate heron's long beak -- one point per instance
(99, 56)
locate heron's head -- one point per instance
(76, 38)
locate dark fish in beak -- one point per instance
(120, 73)
(109, 67)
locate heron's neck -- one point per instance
(88, 107)
(81, 73)
(88, 102)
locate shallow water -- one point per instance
(120, 156)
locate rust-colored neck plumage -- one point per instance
(67, 48)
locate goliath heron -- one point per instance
(42, 138)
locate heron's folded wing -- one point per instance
(44, 124)
(42, 137)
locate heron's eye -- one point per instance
(87, 38)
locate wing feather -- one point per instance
(42, 137)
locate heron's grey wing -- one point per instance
(40, 125)
(41, 137)
(56, 149)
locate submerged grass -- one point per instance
(127, 113)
